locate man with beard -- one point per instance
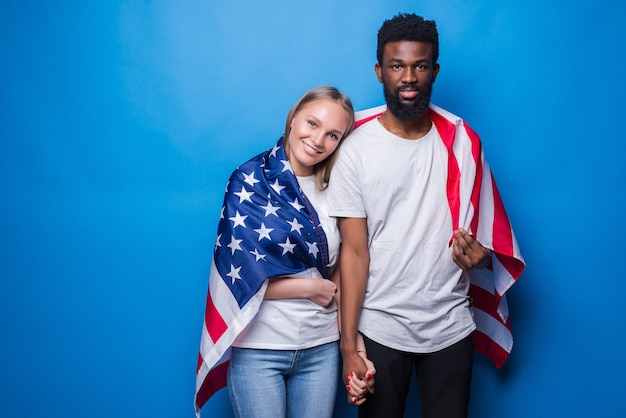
(405, 240)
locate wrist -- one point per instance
(309, 288)
(347, 348)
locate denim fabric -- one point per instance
(284, 383)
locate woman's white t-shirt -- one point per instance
(296, 324)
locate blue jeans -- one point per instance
(284, 383)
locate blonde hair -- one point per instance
(323, 168)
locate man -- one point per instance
(407, 187)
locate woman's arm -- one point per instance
(318, 290)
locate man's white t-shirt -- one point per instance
(296, 324)
(416, 296)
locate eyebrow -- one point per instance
(399, 60)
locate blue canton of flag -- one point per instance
(267, 227)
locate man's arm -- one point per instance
(357, 388)
(354, 267)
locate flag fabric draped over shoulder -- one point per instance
(267, 228)
(476, 206)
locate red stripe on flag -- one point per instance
(485, 300)
(367, 119)
(485, 345)
(200, 361)
(501, 225)
(214, 381)
(476, 155)
(447, 133)
(213, 320)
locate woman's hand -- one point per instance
(322, 291)
(358, 388)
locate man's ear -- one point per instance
(435, 72)
(379, 72)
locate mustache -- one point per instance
(408, 87)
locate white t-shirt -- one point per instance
(296, 324)
(416, 296)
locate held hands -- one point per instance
(468, 253)
(359, 385)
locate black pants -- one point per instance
(443, 379)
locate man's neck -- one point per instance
(414, 128)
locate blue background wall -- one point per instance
(120, 122)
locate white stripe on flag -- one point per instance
(494, 329)
(362, 114)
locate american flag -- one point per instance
(476, 206)
(267, 228)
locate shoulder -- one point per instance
(368, 129)
(438, 112)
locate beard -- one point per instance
(408, 111)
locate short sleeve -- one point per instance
(344, 188)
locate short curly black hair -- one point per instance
(407, 27)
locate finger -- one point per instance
(355, 400)
(457, 247)
(357, 387)
(356, 382)
(465, 242)
(354, 393)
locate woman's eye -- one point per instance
(312, 123)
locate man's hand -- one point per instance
(468, 253)
(359, 377)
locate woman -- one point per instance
(276, 253)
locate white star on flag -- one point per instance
(264, 232)
(275, 150)
(234, 273)
(270, 209)
(249, 178)
(234, 244)
(244, 195)
(313, 248)
(286, 165)
(257, 255)
(295, 225)
(277, 187)
(287, 246)
(238, 220)
(296, 205)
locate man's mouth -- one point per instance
(408, 94)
